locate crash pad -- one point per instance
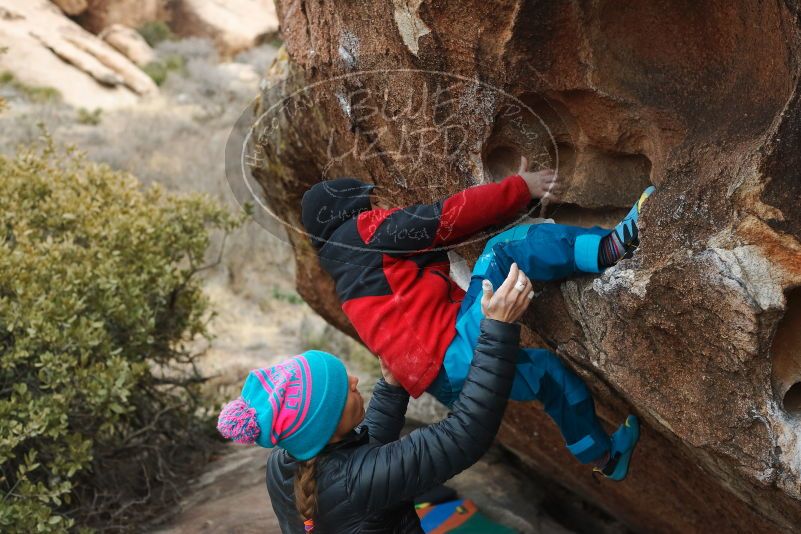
(459, 516)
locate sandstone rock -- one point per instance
(45, 48)
(72, 7)
(233, 25)
(130, 74)
(69, 52)
(94, 57)
(128, 42)
(132, 13)
(697, 333)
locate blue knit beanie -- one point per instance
(295, 405)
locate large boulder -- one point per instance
(128, 42)
(47, 49)
(132, 13)
(697, 333)
(233, 25)
(72, 7)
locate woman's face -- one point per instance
(353, 414)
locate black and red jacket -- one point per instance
(391, 267)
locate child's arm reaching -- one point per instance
(423, 226)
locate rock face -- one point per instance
(697, 333)
(72, 7)
(132, 13)
(47, 49)
(233, 25)
(128, 42)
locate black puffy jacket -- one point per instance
(366, 483)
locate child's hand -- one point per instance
(389, 378)
(543, 185)
(512, 298)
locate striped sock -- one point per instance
(611, 250)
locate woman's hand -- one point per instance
(512, 298)
(389, 378)
(543, 185)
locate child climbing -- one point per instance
(391, 273)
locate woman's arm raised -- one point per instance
(386, 412)
(381, 476)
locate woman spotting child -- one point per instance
(341, 470)
(338, 469)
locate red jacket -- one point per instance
(391, 267)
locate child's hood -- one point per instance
(327, 205)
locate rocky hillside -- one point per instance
(698, 332)
(90, 49)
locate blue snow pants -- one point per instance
(545, 252)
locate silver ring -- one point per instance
(530, 294)
(520, 286)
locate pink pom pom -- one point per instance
(237, 422)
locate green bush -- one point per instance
(156, 32)
(287, 296)
(159, 70)
(90, 118)
(100, 410)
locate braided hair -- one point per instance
(306, 492)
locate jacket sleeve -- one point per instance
(386, 413)
(422, 226)
(379, 477)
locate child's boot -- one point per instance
(594, 253)
(623, 442)
(622, 241)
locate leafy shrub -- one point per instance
(100, 411)
(91, 118)
(287, 296)
(155, 32)
(160, 69)
(166, 143)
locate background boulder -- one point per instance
(101, 14)
(72, 7)
(46, 49)
(128, 42)
(233, 25)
